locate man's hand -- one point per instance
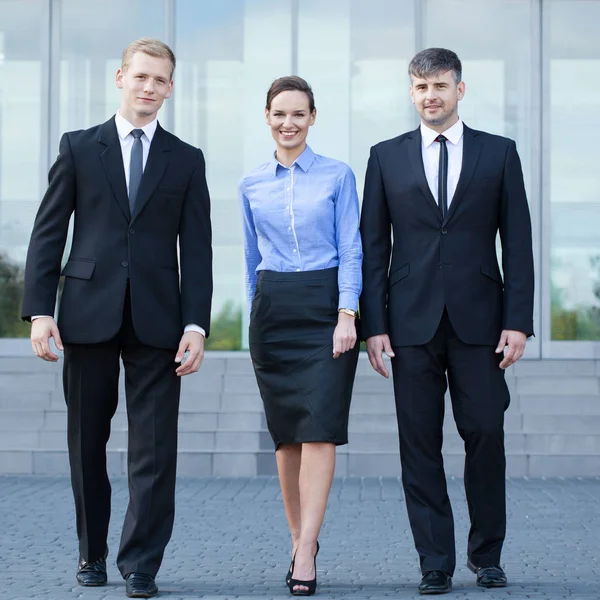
(192, 342)
(514, 341)
(376, 345)
(344, 335)
(42, 329)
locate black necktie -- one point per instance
(136, 167)
(443, 175)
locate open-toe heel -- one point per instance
(311, 585)
(291, 569)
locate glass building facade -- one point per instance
(531, 67)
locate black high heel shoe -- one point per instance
(311, 585)
(291, 569)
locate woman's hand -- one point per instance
(344, 336)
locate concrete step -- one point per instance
(21, 419)
(238, 464)
(554, 368)
(558, 385)
(555, 405)
(566, 423)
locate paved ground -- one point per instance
(230, 541)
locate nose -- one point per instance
(287, 123)
(149, 86)
(431, 94)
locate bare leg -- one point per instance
(316, 475)
(288, 466)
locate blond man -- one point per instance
(136, 193)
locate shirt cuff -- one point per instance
(348, 300)
(41, 317)
(196, 328)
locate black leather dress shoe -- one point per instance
(489, 577)
(91, 574)
(435, 582)
(140, 585)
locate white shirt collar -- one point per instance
(124, 127)
(453, 134)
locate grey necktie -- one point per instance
(136, 167)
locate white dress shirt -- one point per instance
(431, 157)
(124, 129)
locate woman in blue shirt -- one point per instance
(303, 273)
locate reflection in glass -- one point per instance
(92, 36)
(574, 131)
(21, 143)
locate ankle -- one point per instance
(308, 547)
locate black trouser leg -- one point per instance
(479, 398)
(419, 387)
(90, 379)
(152, 390)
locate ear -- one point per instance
(313, 117)
(119, 78)
(170, 92)
(267, 119)
(461, 89)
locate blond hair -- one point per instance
(149, 46)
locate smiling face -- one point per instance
(436, 99)
(289, 118)
(145, 83)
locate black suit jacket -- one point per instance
(111, 246)
(451, 262)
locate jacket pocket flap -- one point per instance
(399, 274)
(81, 269)
(492, 273)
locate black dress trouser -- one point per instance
(90, 378)
(479, 398)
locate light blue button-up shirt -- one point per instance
(303, 218)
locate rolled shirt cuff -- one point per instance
(348, 300)
(41, 317)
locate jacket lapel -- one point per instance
(415, 157)
(158, 159)
(471, 151)
(112, 159)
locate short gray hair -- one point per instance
(434, 61)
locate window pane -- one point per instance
(573, 118)
(92, 36)
(228, 53)
(21, 148)
(500, 73)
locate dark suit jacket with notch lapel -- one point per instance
(110, 245)
(452, 262)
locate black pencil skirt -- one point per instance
(305, 391)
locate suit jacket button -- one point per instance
(132, 231)
(124, 264)
(444, 231)
(440, 266)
